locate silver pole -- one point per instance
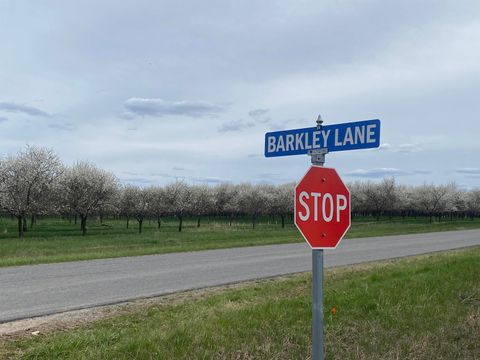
(317, 304)
(318, 158)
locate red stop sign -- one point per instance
(322, 207)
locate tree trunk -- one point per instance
(128, 221)
(283, 221)
(20, 226)
(83, 224)
(25, 227)
(32, 221)
(180, 223)
(254, 219)
(101, 219)
(140, 222)
(75, 222)
(198, 222)
(159, 221)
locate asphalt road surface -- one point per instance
(28, 291)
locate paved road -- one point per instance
(27, 291)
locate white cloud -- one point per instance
(255, 113)
(142, 179)
(408, 148)
(417, 62)
(384, 146)
(259, 115)
(401, 148)
(21, 108)
(159, 107)
(468, 171)
(384, 172)
(62, 126)
(236, 125)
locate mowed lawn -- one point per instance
(426, 307)
(57, 240)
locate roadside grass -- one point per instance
(427, 307)
(56, 240)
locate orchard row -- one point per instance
(35, 183)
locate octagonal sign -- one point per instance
(322, 207)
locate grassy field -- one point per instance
(426, 307)
(56, 240)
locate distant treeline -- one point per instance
(35, 183)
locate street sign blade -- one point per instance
(337, 137)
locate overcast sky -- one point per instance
(154, 90)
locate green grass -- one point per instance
(56, 240)
(419, 308)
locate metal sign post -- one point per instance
(318, 158)
(317, 304)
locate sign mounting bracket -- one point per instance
(318, 156)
